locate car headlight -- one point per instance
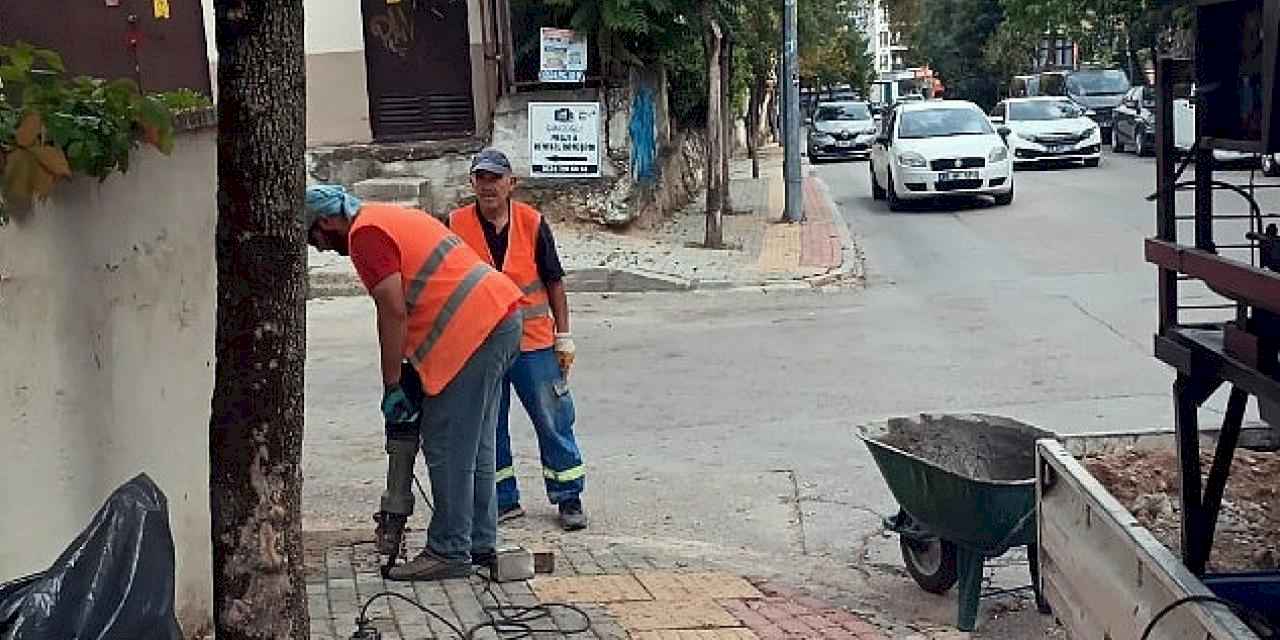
(1091, 131)
(824, 137)
(870, 131)
(998, 154)
(912, 159)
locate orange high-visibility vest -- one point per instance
(520, 265)
(454, 300)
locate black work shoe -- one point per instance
(484, 558)
(390, 533)
(510, 513)
(426, 567)
(572, 517)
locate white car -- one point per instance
(939, 148)
(1049, 129)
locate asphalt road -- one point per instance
(721, 426)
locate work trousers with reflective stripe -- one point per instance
(544, 393)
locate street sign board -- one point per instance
(564, 56)
(564, 139)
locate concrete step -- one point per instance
(414, 189)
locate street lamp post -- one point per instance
(794, 211)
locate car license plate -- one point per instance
(1058, 148)
(844, 143)
(958, 175)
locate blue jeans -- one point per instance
(545, 395)
(458, 431)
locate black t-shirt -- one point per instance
(544, 253)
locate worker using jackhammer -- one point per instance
(514, 238)
(456, 320)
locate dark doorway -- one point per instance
(419, 63)
(161, 46)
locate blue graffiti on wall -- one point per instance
(643, 136)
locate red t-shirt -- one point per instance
(377, 258)
(374, 255)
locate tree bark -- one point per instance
(753, 122)
(714, 238)
(726, 110)
(255, 439)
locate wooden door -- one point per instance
(419, 65)
(135, 39)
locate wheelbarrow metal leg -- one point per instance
(1033, 560)
(969, 588)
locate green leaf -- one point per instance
(78, 154)
(51, 59)
(22, 56)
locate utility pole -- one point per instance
(794, 211)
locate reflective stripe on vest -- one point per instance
(450, 309)
(454, 300)
(420, 279)
(520, 264)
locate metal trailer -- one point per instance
(1101, 572)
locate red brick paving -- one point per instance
(789, 615)
(819, 240)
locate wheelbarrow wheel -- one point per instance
(931, 562)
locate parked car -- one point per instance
(1135, 127)
(841, 130)
(1135, 122)
(1049, 129)
(1184, 131)
(939, 148)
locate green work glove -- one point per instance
(396, 407)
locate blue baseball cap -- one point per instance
(491, 160)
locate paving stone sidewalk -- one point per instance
(760, 250)
(625, 593)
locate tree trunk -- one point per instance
(753, 122)
(714, 238)
(255, 439)
(728, 135)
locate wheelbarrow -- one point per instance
(965, 485)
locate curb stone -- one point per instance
(852, 265)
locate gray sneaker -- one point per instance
(390, 533)
(572, 517)
(428, 566)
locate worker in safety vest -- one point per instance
(457, 322)
(514, 237)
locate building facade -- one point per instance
(395, 71)
(884, 43)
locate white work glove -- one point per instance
(565, 352)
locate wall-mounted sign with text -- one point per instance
(564, 56)
(564, 139)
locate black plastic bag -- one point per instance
(115, 581)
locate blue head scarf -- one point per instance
(329, 201)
